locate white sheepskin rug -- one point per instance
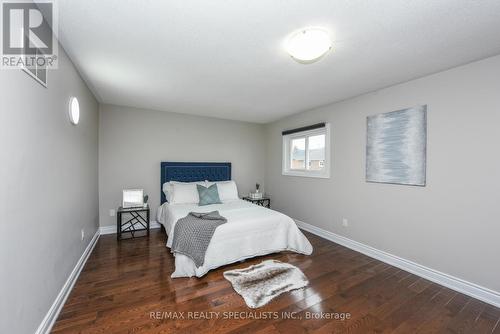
(260, 283)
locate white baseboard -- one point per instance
(454, 283)
(111, 229)
(51, 316)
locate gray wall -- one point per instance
(49, 178)
(452, 224)
(133, 142)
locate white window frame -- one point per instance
(286, 154)
(33, 72)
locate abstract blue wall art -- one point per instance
(396, 144)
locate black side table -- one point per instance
(264, 201)
(137, 219)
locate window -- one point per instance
(37, 70)
(307, 152)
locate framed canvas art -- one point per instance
(396, 144)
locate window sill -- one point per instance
(306, 174)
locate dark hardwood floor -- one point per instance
(123, 283)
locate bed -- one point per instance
(250, 231)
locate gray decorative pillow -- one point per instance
(208, 195)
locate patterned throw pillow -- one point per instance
(208, 195)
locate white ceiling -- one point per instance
(225, 58)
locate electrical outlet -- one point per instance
(112, 212)
(83, 234)
(345, 222)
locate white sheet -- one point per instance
(251, 230)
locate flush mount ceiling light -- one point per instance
(74, 110)
(308, 45)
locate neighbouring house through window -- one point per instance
(306, 151)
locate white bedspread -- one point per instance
(251, 230)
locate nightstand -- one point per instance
(264, 201)
(138, 220)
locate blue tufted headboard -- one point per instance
(193, 171)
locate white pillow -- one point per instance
(185, 193)
(168, 188)
(227, 191)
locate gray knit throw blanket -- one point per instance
(192, 234)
